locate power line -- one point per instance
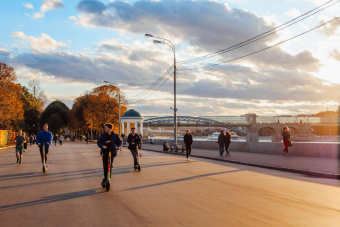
(140, 100)
(152, 86)
(195, 68)
(261, 36)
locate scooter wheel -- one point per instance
(108, 186)
(103, 184)
(139, 168)
(44, 169)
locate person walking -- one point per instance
(133, 140)
(31, 140)
(61, 139)
(221, 142)
(55, 139)
(108, 141)
(286, 139)
(19, 143)
(188, 143)
(44, 138)
(227, 143)
(25, 143)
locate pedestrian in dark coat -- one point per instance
(227, 143)
(188, 143)
(221, 142)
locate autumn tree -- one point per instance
(102, 106)
(76, 114)
(56, 115)
(11, 105)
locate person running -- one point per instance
(227, 143)
(108, 141)
(133, 141)
(55, 139)
(286, 139)
(19, 143)
(221, 142)
(44, 137)
(188, 143)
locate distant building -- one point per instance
(328, 113)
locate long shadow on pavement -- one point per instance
(182, 179)
(52, 199)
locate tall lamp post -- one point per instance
(172, 46)
(113, 84)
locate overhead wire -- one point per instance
(261, 36)
(279, 43)
(151, 87)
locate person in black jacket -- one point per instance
(188, 143)
(221, 142)
(133, 141)
(286, 139)
(108, 141)
(227, 142)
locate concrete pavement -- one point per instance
(168, 192)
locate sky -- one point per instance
(73, 46)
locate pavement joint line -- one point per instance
(283, 169)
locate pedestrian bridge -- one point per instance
(249, 125)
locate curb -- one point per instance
(2, 148)
(283, 169)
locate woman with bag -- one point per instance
(286, 139)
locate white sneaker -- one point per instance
(187, 159)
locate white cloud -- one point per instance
(293, 13)
(48, 5)
(40, 44)
(28, 5)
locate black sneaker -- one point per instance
(20, 162)
(17, 161)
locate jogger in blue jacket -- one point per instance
(44, 137)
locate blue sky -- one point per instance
(72, 46)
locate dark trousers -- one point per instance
(106, 161)
(227, 145)
(221, 148)
(188, 149)
(41, 154)
(134, 154)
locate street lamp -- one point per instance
(113, 84)
(172, 46)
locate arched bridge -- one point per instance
(187, 121)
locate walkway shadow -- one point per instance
(52, 199)
(86, 175)
(182, 179)
(33, 175)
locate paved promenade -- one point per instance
(314, 164)
(169, 191)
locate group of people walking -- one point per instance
(59, 138)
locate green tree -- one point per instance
(48, 116)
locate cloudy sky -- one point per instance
(72, 46)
